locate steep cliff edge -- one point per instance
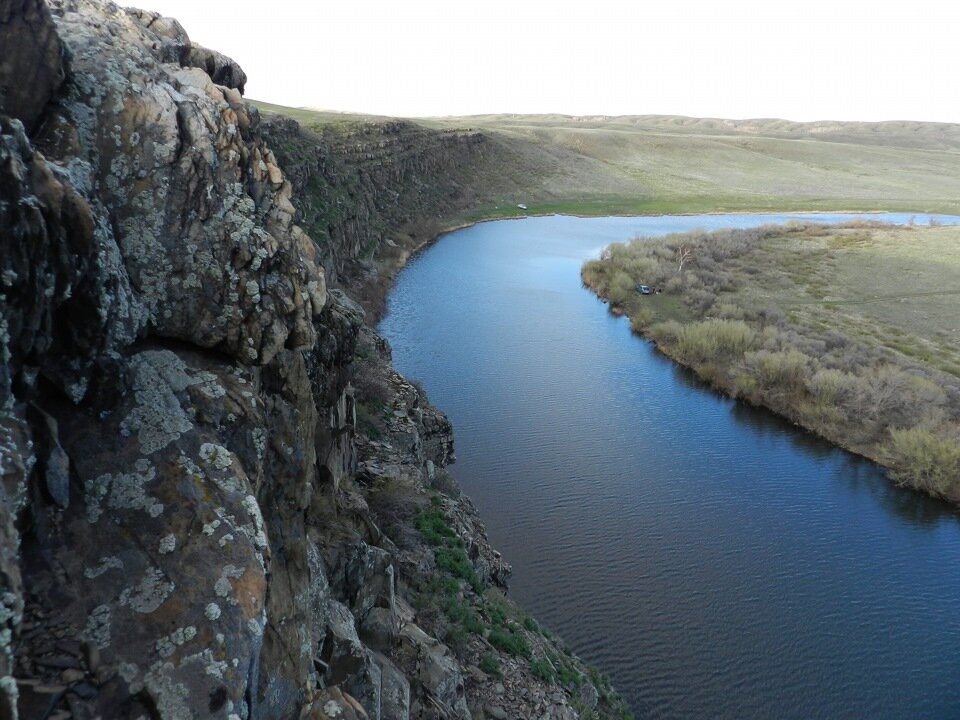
(370, 192)
(218, 498)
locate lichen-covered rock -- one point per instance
(204, 228)
(160, 561)
(65, 298)
(16, 466)
(334, 704)
(394, 691)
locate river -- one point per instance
(714, 560)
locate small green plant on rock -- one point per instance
(448, 548)
(509, 641)
(490, 664)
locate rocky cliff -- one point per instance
(370, 192)
(218, 498)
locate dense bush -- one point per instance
(710, 339)
(783, 371)
(927, 461)
(490, 664)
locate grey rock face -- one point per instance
(32, 60)
(194, 202)
(146, 210)
(439, 672)
(64, 296)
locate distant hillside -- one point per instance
(686, 163)
(651, 164)
(898, 133)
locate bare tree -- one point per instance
(684, 252)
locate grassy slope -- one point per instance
(853, 333)
(669, 164)
(664, 164)
(900, 288)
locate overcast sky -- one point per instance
(809, 60)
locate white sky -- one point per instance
(799, 59)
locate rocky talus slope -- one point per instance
(217, 498)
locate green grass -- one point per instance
(665, 165)
(433, 525)
(490, 664)
(509, 641)
(658, 165)
(448, 548)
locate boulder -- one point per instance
(438, 671)
(221, 69)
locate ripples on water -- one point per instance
(714, 560)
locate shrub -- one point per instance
(927, 461)
(455, 561)
(455, 636)
(460, 612)
(674, 285)
(700, 299)
(622, 288)
(448, 548)
(641, 268)
(543, 670)
(444, 482)
(706, 340)
(490, 664)
(727, 311)
(641, 319)
(497, 616)
(432, 524)
(829, 386)
(666, 332)
(783, 371)
(509, 641)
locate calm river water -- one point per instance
(713, 560)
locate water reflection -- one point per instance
(916, 509)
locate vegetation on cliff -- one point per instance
(453, 583)
(846, 330)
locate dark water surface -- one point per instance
(714, 560)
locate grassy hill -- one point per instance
(660, 164)
(663, 164)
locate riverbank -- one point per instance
(844, 331)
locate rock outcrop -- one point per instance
(32, 66)
(217, 499)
